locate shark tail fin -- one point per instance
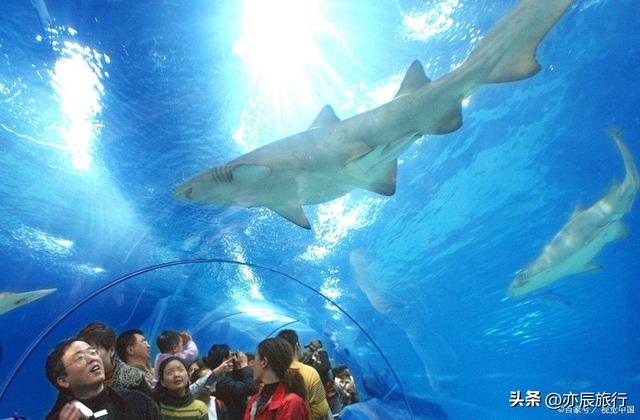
(631, 178)
(508, 52)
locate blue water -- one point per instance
(102, 119)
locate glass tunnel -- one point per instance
(457, 227)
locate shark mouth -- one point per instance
(222, 174)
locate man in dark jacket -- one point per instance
(235, 387)
(118, 374)
(76, 370)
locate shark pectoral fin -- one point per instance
(383, 179)
(589, 267)
(250, 173)
(293, 213)
(413, 79)
(325, 117)
(620, 231)
(363, 157)
(451, 122)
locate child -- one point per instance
(171, 343)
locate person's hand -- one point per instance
(71, 412)
(225, 367)
(186, 337)
(242, 360)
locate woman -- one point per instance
(172, 392)
(283, 394)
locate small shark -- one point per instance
(43, 15)
(586, 232)
(10, 301)
(335, 156)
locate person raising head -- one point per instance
(283, 393)
(172, 392)
(75, 368)
(118, 374)
(173, 343)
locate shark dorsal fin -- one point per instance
(413, 79)
(325, 117)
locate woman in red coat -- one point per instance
(282, 396)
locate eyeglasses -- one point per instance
(82, 355)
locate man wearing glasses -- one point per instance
(76, 370)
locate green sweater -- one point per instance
(183, 409)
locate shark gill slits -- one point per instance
(222, 174)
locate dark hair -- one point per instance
(279, 356)
(217, 354)
(160, 392)
(290, 336)
(250, 357)
(197, 362)
(166, 340)
(126, 340)
(54, 367)
(198, 373)
(338, 370)
(98, 334)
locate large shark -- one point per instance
(572, 249)
(10, 301)
(335, 156)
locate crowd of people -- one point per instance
(103, 376)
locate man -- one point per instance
(118, 374)
(345, 385)
(133, 349)
(316, 395)
(317, 358)
(236, 385)
(76, 370)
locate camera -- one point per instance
(234, 357)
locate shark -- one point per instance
(335, 156)
(573, 248)
(10, 301)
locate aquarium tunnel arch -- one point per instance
(208, 321)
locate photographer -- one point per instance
(235, 386)
(318, 358)
(346, 385)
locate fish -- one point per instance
(10, 301)
(439, 359)
(333, 156)
(573, 248)
(43, 15)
